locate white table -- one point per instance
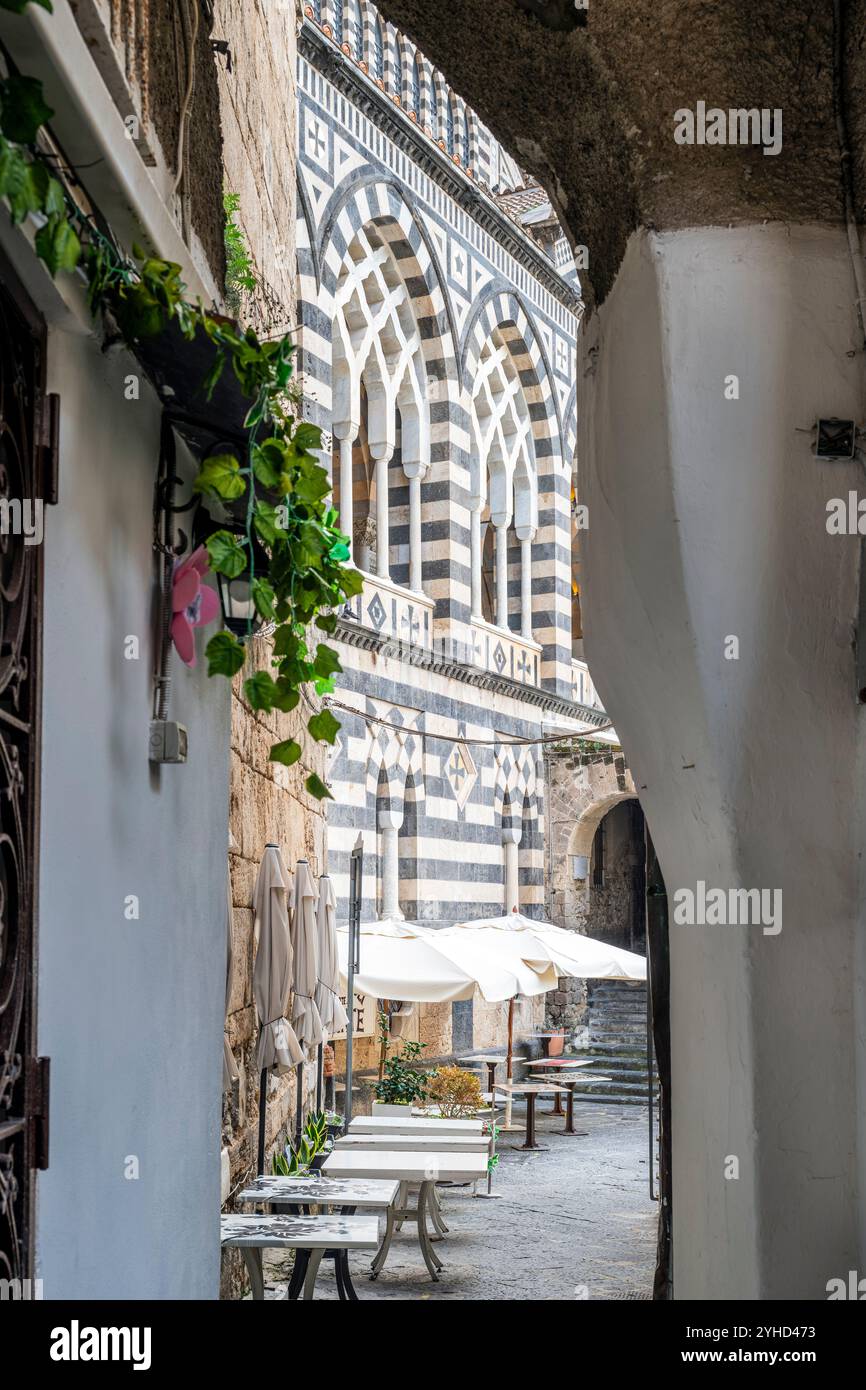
(410, 1169)
(312, 1235)
(416, 1143)
(394, 1124)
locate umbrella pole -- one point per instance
(320, 1068)
(509, 1067)
(355, 880)
(263, 1093)
(299, 1106)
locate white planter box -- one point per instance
(381, 1107)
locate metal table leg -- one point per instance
(382, 1253)
(431, 1260)
(312, 1272)
(253, 1260)
(436, 1215)
(299, 1270)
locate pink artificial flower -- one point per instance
(193, 603)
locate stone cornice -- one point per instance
(348, 78)
(365, 639)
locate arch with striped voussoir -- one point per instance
(388, 364)
(519, 486)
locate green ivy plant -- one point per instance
(286, 490)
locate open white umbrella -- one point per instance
(548, 952)
(401, 960)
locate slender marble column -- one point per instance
(389, 826)
(502, 575)
(526, 587)
(347, 488)
(415, 533)
(382, 507)
(475, 556)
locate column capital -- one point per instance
(345, 430)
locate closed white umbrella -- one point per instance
(331, 1012)
(272, 977)
(230, 1066)
(272, 972)
(305, 1014)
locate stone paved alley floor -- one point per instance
(578, 1214)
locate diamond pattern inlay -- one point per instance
(376, 613)
(462, 773)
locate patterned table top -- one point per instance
(298, 1192)
(300, 1232)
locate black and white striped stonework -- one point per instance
(440, 692)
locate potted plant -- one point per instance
(402, 1084)
(299, 1161)
(456, 1092)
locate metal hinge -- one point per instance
(48, 448)
(37, 1094)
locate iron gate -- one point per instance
(23, 1076)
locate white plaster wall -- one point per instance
(130, 1012)
(707, 518)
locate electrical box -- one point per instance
(168, 742)
(836, 439)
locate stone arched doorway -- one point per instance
(607, 871)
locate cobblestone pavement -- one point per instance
(573, 1221)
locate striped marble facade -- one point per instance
(412, 278)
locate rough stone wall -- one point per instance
(268, 802)
(591, 112)
(145, 54)
(581, 784)
(258, 100)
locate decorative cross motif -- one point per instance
(317, 141)
(412, 624)
(524, 667)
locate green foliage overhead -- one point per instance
(286, 488)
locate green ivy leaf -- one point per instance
(327, 622)
(339, 551)
(323, 726)
(225, 654)
(24, 108)
(327, 662)
(57, 245)
(220, 476)
(307, 436)
(266, 522)
(286, 753)
(227, 554)
(260, 690)
(316, 787)
(287, 695)
(312, 484)
(264, 597)
(351, 582)
(269, 461)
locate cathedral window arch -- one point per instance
(380, 407)
(504, 516)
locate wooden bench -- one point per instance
(311, 1236)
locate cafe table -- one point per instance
(557, 1064)
(529, 1089)
(285, 1194)
(410, 1169)
(420, 1125)
(421, 1143)
(491, 1060)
